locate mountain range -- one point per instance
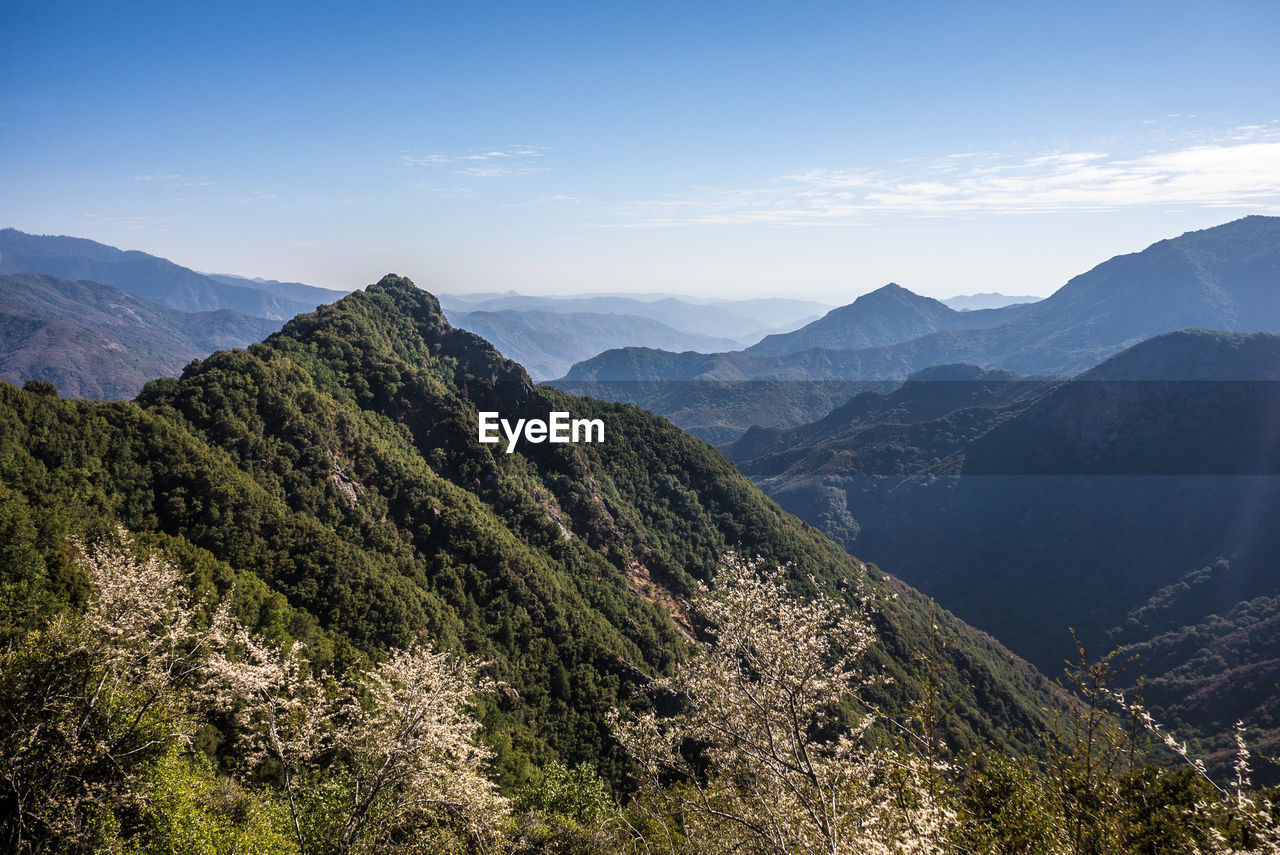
(745, 321)
(888, 315)
(98, 322)
(1218, 278)
(987, 300)
(1127, 502)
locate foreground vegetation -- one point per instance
(340, 624)
(154, 721)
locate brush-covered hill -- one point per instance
(337, 466)
(150, 277)
(1133, 503)
(95, 341)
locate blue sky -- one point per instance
(812, 149)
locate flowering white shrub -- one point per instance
(400, 739)
(1249, 815)
(90, 703)
(757, 759)
(412, 748)
(96, 705)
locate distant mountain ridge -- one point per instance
(548, 343)
(987, 300)
(290, 290)
(95, 341)
(744, 321)
(150, 277)
(1226, 277)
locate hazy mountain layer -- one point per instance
(987, 300)
(743, 320)
(547, 343)
(95, 341)
(290, 290)
(1226, 277)
(142, 275)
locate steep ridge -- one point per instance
(1131, 504)
(95, 341)
(339, 462)
(140, 274)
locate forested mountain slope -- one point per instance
(338, 462)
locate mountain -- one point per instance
(888, 315)
(335, 470)
(95, 341)
(548, 343)
(1131, 503)
(741, 320)
(987, 300)
(1226, 277)
(142, 275)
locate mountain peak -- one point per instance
(395, 282)
(394, 322)
(888, 315)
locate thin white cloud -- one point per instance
(487, 163)
(173, 179)
(554, 199)
(1240, 170)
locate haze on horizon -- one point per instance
(716, 149)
